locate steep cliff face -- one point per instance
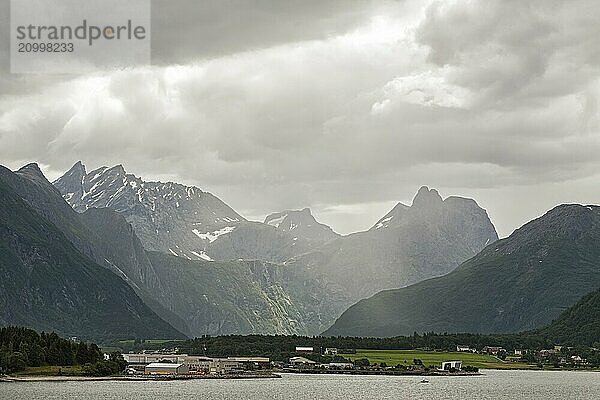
(232, 297)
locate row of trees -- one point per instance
(280, 347)
(22, 347)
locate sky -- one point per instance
(347, 107)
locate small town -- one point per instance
(156, 364)
(169, 363)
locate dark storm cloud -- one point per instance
(192, 30)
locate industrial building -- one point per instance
(253, 362)
(142, 359)
(196, 364)
(302, 362)
(166, 369)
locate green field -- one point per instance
(406, 357)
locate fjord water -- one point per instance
(525, 385)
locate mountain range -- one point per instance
(167, 260)
(429, 238)
(323, 272)
(180, 220)
(515, 284)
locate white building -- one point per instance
(339, 365)
(447, 365)
(166, 369)
(305, 349)
(331, 351)
(301, 362)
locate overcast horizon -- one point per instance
(346, 107)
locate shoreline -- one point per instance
(138, 378)
(382, 373)
(271, 375)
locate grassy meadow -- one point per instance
(406, 357)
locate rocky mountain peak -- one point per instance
(78, 167)
(427, 198)
(117, 169)
(301, 223)
(32, 170)
(73, 177)
(166, 216)
(565, 222)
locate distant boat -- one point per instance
(424, 381)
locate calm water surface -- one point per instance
(492, 385)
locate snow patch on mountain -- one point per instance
(212, 236)
(276, 221)
(383, 222)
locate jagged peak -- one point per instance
(427, 197)
(393, 214)
(78, 169)
(78, 166)
(33, 172)
(119, 169)
(32, 168)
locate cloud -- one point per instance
(218, 28)
(343, 109)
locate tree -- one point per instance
(118, 359)
(362, 362)
(15, 362)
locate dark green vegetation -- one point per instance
(221, 297)
(22, 349)
(280, 347)
(47, 283)
(576, 330)
(579, 325)
(518, 283)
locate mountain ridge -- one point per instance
(301, 223)
(177, 219)
(48, 284)
(517, 283)
(428, 238)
